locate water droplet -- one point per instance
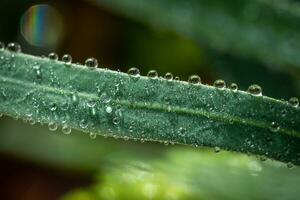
(255, 90)
(53, 56)
(274, 127)
(217, 149)
(14, 47)
(67, 58)
(31, 121)
(91, 103)
(2, 46)
(52, 126)
(83, 124)
(91, 62)
(220, 83)
(133, 71)
(294, 101)
(105, 98)
(1, 115)
(177, 78)
(53, 106)
(66, 129)
(169, 76)
(93, 135)
(194, 79)
(116, 120)
(108, 109)
(75, 97)
(233, 86)
(152, 74)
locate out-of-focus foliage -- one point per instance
(188, 174)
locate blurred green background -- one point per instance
(39, 164)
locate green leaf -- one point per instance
(263, 30)
(188, 174)
(115, 104)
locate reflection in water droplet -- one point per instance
(52, 126)
(14, 47)
(294, 101)
(255, 90)
(53, 56)
(152, 74)
(91, 62)
(66, 129)
(194, 79)
(220, 83)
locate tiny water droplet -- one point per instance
(177, 78)
(194, 79)
(152, 74)
(1, 115)
(83, 124)
(220, 83)
(133, 71)
(67, 58)
(75, 97)
(66, 129)
(105, 98)
(14, 47)
(274, 127)
(233, 86)
(93, 135)
(255, 90)
(217, 149)
(31, 121)
(53, 56)
(91, 62)
(294, 101)
(108, 109)
(166, 143)
(116, 120)
(2, 46)
(52, 126)
(53, 106)
(289, 165)
(91, 103)
(169, 76)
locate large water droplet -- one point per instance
(52, 126)
(294, 101)
(169, 76)
(152, 74)
(133, 71)
(255, 90)
(91, 62)
(217, 149)
(14, 47)
(67, 59)
(194, 79)
(66, 129)
(220, 83)
(53, 56)
(233, 86)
